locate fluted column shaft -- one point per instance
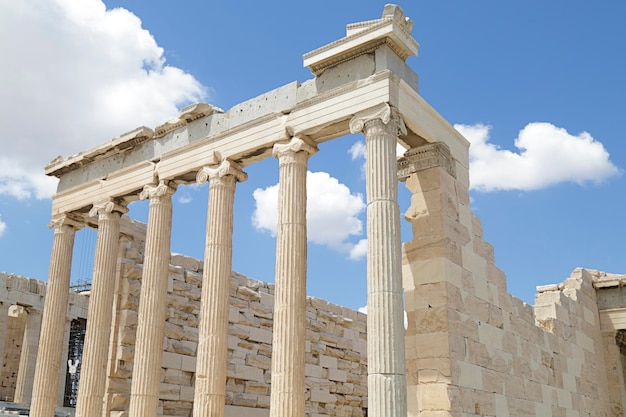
(289, 328)
(95, 351)
(28, 357)
(385, 329)
(210, 391)
(49, 358)
(144, 392)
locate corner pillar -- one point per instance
(93, 373)
(28, 357)
(386, 368)
(49, 359)
(4, 317)
(144, 392)
(210, 391)
(289, 334)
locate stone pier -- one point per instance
(28, 358)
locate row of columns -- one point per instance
(386, 381)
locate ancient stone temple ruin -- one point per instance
(181, 337)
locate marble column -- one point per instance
(28, 357)
(289, 328)
(144, 392)
(386, 381)
(93, 373)
(210, 391)
(55, 309)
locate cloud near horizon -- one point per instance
(332, 213)
(74, 75)
(548, 155)
(3, 226)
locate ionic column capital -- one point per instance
(224, 169)
(293, 147)
(104, 208)
(155, 192)
(66, 220)
(383, 115)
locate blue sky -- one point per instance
(538, 87)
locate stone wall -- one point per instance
(336, 342)
(11, 357)
(472, 348)
(18, 296)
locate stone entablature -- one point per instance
(319, 109)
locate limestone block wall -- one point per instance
(472, 348)
(336, 358)
(28, 294)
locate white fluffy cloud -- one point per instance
(3, 226)
(357, 150)
(74, 75)
(359, 250)
(548, 155)
(332, 213)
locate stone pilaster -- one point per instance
(4, 317)
(49, 358)
(386, 379)
(289, 328)
(432, 278)
(28, 357)
(144, 393)
(210, 390)
(96, 348)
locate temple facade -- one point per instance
(180, 348)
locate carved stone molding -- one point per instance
(197, 111)
(294, 146)
(157, 191)
(225, 168)
(393, 30)
(105, 207)
(382, 113)
(425, 157)
(72, 220)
